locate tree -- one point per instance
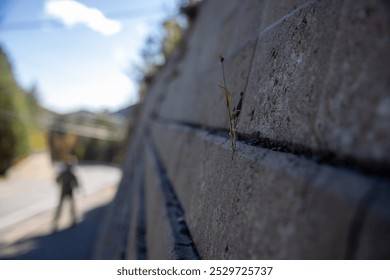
(173, 35)
(13, 116)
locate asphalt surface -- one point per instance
(28, 198)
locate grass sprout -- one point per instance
(232, 113)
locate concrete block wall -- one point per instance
(311, 175)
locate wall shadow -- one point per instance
(75, 243)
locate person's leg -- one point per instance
(58, 212)
(73, 209)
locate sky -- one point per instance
(80, 54)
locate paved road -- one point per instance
(24, 196)
(29, 195)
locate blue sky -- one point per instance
(80, 53)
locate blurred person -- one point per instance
(68, 182)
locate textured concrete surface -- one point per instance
(374, 226)
(204, 102)
(159, 241)
(298, 91)
(306, 92)
(285, 206)
(310, 177)
(132, 250)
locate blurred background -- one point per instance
(71, 76)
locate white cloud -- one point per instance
(72, 12)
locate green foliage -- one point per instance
(172, 38)
(14, 130)
(34, 108)
(157, 50)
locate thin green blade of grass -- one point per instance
(228, 97)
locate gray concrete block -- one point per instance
(263, 204)
(111, 243)
(374, 226)
(243, 25)
(214, 32)
(199, 100)
(193, 96)
(158, 234)
(156, 93)
(228, 25)
(306, 91)
(275, 10)
(131, 250)
(181, 99)
(355, 106)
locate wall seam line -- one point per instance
(375, 169)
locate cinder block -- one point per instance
(243, 25)
(216, 30)
(131, 251)
(314, 74)
(181, 98)
(375, 226)
(158, 234)
(199, 100)
(262, 204)
(232, 29)
(115, 225)
(156, 93)
(229, 25)
(354, 114)
(302, 90)
(276, 10)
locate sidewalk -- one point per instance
(34, 239)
